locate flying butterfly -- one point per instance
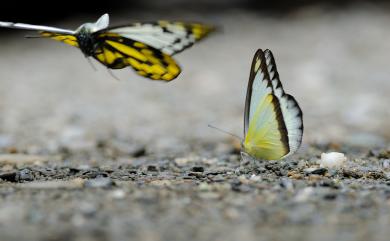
(146, 47)
(273, 124)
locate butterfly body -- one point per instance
(146, 47)
(86, 42)
(273, 125)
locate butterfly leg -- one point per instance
(112, 74)
(108, 69)
(247, 164)
(90, 63)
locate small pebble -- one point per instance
(8, 176)
(182, 161)
(100, 182)
(304, 194)
(315, 178)
(332, 160)
(197, 169)
(352, 173)
(139, 152)
(287, 184)
(302, 164)
(315, 170)
(204, 187)
(386, 163)
(255, 178)
(329, 183)
(83, 167)
(218, 178)
(375, 175)
(118, 194)
(384, 154)
(330, 196)
(196, 174)
(152, 168)
(87, 208)
(25, 175)
(241, 188)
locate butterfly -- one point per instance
(146, 47)
(273, 124)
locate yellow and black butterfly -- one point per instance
(146, 47)
(273, 125)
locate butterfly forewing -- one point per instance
(258, 88)
(168, 37)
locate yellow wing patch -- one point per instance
(118, 52)
(266, 136)
(198, 30)
(127, 50)
(68, 39)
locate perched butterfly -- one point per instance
(273, 125)
(146, 47)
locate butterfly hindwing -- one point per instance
(273, 120)
(118, 52)
(291, 111)
(266, 137)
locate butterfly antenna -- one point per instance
(226, 132)
(34, 36)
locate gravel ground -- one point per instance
(86, 157)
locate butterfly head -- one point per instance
(85, 37)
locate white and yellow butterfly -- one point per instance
(146, 47)
(273, 125)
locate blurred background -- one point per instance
(331, 55)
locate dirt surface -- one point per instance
(87, 157)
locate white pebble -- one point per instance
(332, 160)
(304, 194)
(255, 178)
(118, 194)
(386, 163)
